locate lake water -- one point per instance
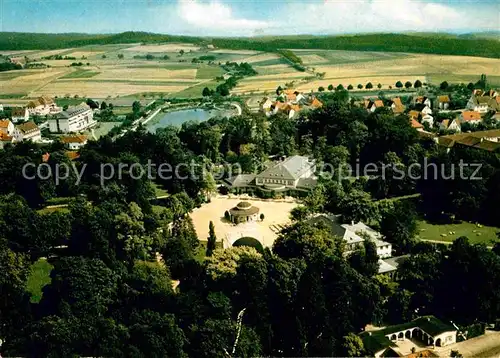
(176, 118)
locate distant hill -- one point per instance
(37, 41)
(443, 44)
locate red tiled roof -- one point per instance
(416, 124)
(45, 157)
(74, 139)
(316, 103)
(471, 116)
(4, 123)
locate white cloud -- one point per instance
(335, 16)
(217, 18)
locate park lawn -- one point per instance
(476, 235)
(80, 74)
(40, 276)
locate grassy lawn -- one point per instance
(209, 72)
(80, 74)
(40, 276)
(61, 102)
(476, 235)
(103, 128)
(159, 191)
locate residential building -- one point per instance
(293, 173)
(42, 106)
(397, 106)
(27, 131)
(6, 127)
(443, 102)
(74, 119)
(455, 125)
(74, 142)
(19, 115)
(424, 113)
(353, 234)
(471, 117)
(1, 107)
(373, 105)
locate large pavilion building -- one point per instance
(244, 212)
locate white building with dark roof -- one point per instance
(293, 173)
(74, 119)
(353, 234)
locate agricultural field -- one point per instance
(350, 67)
(125, 71)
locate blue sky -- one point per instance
(248, 17)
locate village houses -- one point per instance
(289, 102)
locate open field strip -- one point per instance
(101, 89)
(172, 47)
(236, 52)
(275, 77)
(312, 59)
(20, 52)
(274, 69)
(39, 55)
(146, 81)
(145, 73)
(79, 54)
(260, 57)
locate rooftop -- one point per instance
(291, 168)
(27, 127)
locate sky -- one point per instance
(249, 17)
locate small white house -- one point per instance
(27, 131)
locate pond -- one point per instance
(176, 118)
